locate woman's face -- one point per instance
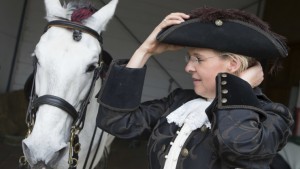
(204, 65)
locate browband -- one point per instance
(76, 26)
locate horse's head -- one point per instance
(67, 55)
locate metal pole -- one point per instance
(13, 63)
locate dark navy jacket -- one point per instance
(247, 128)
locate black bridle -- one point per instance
(78, 116)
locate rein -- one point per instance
(78, 116)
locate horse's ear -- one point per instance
(99, 20)
(54, 10)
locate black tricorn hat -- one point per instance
(226, 30)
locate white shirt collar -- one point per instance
(191, 113)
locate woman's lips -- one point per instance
(194, 79)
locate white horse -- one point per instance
(64, 69)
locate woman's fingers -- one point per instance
(174, 18)
(253, 75)
(177, 15)
(151, 45)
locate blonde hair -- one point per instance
(245, 61)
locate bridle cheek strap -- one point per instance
(56, 102)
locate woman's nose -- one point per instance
(189, 67)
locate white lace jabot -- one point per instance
(191, 113)
(189, 116)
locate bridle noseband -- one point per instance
(78, 116)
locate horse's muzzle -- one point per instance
(41, 165)
(43, 161)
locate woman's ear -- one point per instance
(234, 65)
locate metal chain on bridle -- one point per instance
(78, 116)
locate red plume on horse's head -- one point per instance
(82, 13)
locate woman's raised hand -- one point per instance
(253, 75)
(151, 46)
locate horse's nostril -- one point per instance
(27, 153)
(60, 153)
(56, 156)
(25, 148)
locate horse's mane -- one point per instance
(78, 11)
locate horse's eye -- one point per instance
(91, 68)
(36, 60)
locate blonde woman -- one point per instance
(226, 121)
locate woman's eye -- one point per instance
(91, 68)
(198, 60)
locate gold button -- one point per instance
(224, 100)
(203, 128)
(223, 82)
(219, 22)
(184, 152)
(225, 91)
(224, 75)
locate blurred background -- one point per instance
(22, 24)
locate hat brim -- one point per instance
(227, 36)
